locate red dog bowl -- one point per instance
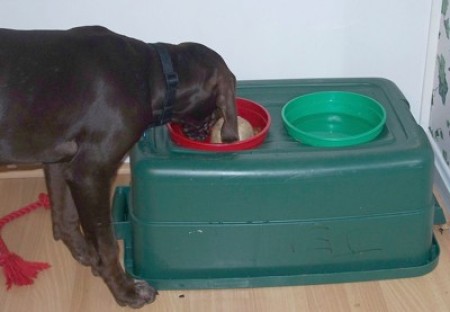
(254, 113)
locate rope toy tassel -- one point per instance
(18, 271)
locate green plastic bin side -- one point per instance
(180, 256)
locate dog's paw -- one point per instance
(146, 292)
(137, 295)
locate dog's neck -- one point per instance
(171, 83)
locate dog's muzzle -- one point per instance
(198, 132)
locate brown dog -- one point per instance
(77, 101)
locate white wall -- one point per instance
(264, 39)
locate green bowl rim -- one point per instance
(320, 141)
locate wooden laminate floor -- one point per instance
(67, 286)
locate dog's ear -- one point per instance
(226, 102)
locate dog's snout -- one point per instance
(197, 133)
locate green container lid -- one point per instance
(333, 118)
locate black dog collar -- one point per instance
(171, 79)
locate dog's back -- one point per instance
(50, 81)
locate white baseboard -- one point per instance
(441, 176)
(37, 172)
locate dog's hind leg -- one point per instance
(90, 184)
(66, 223)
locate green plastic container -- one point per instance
(333, 118)
(284, 213)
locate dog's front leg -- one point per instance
(90, 185)
(66, 223)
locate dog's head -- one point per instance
(206, 93)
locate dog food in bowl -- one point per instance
(253, 113)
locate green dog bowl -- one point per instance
(333, 118)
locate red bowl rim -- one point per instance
(249, 143)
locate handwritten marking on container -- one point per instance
(339, 243)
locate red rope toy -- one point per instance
(18, 271)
